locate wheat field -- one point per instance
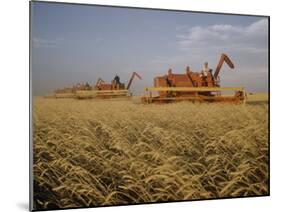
(102, 152)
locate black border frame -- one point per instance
(142, 8)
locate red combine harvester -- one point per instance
(115, 84)
(201, 86)
(108, 90)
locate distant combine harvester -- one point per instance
(101, 90)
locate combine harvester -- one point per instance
(193, 86)
(70, 92)
(103, 90)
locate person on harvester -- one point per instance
(116, 81)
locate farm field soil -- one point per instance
(101, 152)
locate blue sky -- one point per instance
(80, 43)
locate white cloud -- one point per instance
(240, 38)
